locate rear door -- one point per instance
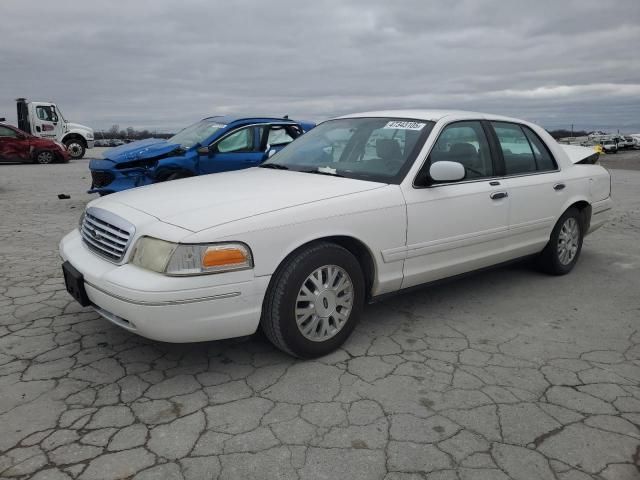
(14, 146)
(277, 136)
(536, 189)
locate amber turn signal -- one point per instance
(218, 257)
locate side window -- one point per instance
(280, 135)
(240, 141)
(544, 160)
(46, 113)
(465, 143)
(7, 132)
(518, 156)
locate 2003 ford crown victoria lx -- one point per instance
(360, 206)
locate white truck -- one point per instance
(45, 119)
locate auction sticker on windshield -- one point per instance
(405, 125)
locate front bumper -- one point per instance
(169, 309)
(119, 180)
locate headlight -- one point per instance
(184, 259)
(80, 221)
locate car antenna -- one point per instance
(286, 117)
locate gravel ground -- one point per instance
(625, 159)
(505, 374)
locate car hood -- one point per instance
(77, 126)
(140, 150)
(199, 203)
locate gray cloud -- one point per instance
(161, 64)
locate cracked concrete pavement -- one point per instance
(505, 374)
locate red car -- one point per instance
(18, 146)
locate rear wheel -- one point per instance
(314, 301)
(564, 247)
(45, 157)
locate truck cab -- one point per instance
(45, 120)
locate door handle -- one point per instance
(559, 186)
(498, 195)
(494, 183)
(37, 128)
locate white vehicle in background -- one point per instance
(609, 146)
(359, 207)
(636, 140)
(45, 119)
(629, 142)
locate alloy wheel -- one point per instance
(324, 303)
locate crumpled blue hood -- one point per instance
(140, 150)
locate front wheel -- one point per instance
(75, 148)
(564, 247)
(177, 176)
(314, 301)
(44, 157)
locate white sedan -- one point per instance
(360, 207)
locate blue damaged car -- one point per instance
(212, 145)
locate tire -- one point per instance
(177, 176)
(285, 306)
(75, 148)
(45, 157)
(557, 258)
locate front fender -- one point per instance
(75, 133)
(167, 166)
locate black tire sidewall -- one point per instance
(176, 176)
(556, 266)
(289, 286)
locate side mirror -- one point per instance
(203, 151)
(447, 171)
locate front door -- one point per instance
(461, 226)
(46, 121)
(235, 151)
(14, 146)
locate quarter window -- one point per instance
(465, 143)
(240, 141)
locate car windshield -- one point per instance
(197, 133)
(375, 149)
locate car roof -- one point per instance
(228, 119)
(433, 115)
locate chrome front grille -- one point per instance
(106, 234)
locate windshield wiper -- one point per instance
(276, 166)
(323, 172)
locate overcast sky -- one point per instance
(163, 64)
